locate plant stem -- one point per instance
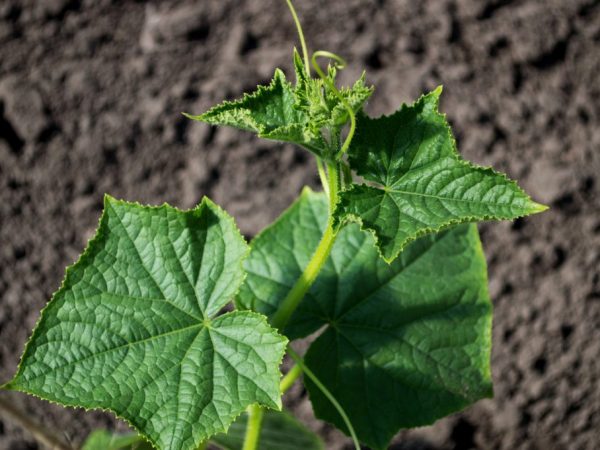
(293, 299)
(255, 416)
(41, 434)
(290, 377)
(308, 277)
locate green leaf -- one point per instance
(270, 113)
(104, 440)
(422, 184)
(401, 344)
(134, 327)
(280, 431)
(308, 114)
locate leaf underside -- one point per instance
(134, 327)
(421, 184)
(403, 344)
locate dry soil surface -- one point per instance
(90, 96)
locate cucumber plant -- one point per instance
(385, 265)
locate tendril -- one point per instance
(340, 63)
(300, 36)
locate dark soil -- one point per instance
(90, 95)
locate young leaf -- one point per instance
(321, 105)
(402, 344)
(279, 431)
(302, 114)
(270, 113)
(423, 185)
(134, 327)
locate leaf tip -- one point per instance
(306, 191)
(537, 208)
(109, 199)
(438, 91)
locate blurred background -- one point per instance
(90, 98)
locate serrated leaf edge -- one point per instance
(435, 94)
(11, 386)
(355, 218)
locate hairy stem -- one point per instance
(42, 435)
(255, 416)
(308, 277)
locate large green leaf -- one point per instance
(134, 327)
(401, 344)
(279, 431)
(422, 184)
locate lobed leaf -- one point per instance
(422, 184)
(401, 344)
(134, 327)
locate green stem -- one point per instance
(300, 36)
(290, 378)
(308, 277)
(255, 417)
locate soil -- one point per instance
(90, 96)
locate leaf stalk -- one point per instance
(300, 362)
(290, 378)
(255, 417)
